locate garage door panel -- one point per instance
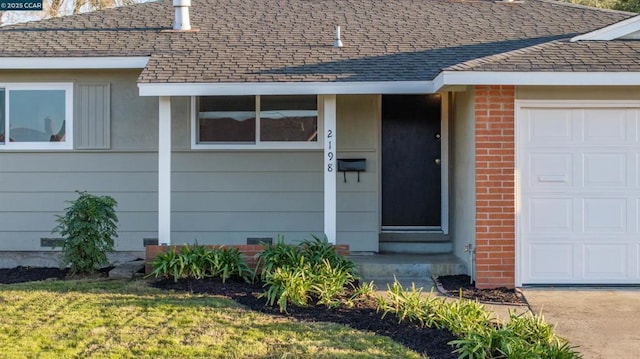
(550, 126)
(579, 193)
(605, 261)
(604, 126)
(550, 215)
(605, 215)
(550, 170)
(548, 260)
(605, 169)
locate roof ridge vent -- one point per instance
(337, 42)
(182, 22)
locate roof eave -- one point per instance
(61, 63)
(285, 88)
(537, 78)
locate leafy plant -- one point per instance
(318, 250)
(480, 336)
(464, 316)
(411, 304)
(329, 283)
(88, 227)
(289, 284)
(232, 264)
(309, 271)
(198, 262)
(278, 255)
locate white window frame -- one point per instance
(67, 87)
(267, 145)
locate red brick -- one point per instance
(495, 185)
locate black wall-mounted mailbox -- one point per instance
(352, 165)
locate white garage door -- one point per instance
(579, 192)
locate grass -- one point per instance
(124, 319)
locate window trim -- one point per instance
(67, 87)
(258, 145)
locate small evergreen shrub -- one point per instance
(88, 227)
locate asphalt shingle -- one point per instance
(562, 56)
(291, 40)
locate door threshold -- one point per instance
(390, 229)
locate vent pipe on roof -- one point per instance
(182, 21)
(337, 42)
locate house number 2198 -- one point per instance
(330, 154)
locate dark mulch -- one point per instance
(454, 285)
(431, 342)
(29, 274)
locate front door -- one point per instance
(411, 162)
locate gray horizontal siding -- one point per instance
(226, 197)
(218, 196)
(107, 182)
(270, 201)
(80, 162)
(36, 185)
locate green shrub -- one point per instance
(278, 255)
(198, 262)
(318, 250)
(480, 336)
(464, 316)
(411, 305)
(232, 264)
(289, 284)
(309, 272)
(88, 227)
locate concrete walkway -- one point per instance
(603, 323)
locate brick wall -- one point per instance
(495, 186)
(250, 251)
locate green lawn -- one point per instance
(120, 319)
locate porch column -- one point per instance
(164, 171)
(330, 167)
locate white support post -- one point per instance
(330, 167)
(164, 171)
(444, 163)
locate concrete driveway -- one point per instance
(603, 323)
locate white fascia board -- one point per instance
(537, 78)
(612, 32)
(61, 63)
(285, 88)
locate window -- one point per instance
(256, 121)
(36, 116)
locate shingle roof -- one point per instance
(291, 40)
(562, 56)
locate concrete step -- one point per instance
(432, 247)
(415, 243)
(406, 237)
(386, 266)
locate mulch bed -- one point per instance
(29, 274)
(431, 342)
(461, 285)
(363, 316)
